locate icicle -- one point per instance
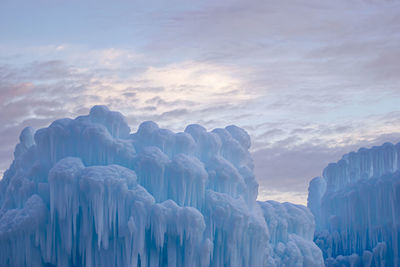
(153, 197)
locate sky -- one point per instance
(308, 80)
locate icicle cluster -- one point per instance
(86, 192)
(356, 205)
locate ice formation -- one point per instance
(356, 204)
(87, 192)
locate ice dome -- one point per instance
(88, 192)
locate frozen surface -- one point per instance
(87, 192)
(356, 205)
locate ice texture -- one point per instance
(87, 192)
(356, 204)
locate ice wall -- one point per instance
(87, 192)
(356, 204)
(291, 230)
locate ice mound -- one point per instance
(356, 205)
(87, 192)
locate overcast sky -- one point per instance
(309, 80)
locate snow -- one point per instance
(356, 207)
(87, 192)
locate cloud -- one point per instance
(286, 171)
(175, 113)
(282, 196)
(34, 95)
(290, 169)
(194, 81)
(308, 80)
